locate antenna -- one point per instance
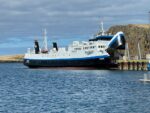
(45, 40)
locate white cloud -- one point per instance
(64, 19)
(27, 17)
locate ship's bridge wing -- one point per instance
(117, 42)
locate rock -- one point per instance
(133, 34)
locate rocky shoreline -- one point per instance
(11, 58)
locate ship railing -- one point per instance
(29, 51)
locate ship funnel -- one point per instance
(55, 46)
(117, 42)
(36, 47)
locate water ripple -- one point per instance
(24, 90)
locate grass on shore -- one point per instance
(11, 58)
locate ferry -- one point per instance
(91, 53)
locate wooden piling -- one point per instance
(137, 65)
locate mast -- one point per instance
(128, 52)
(149, 30)
(102, 28)
(45, 40)
(125, 52)
(139, 51)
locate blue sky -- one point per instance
(22, 21)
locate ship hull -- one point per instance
(98, 63)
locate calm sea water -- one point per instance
(24, 90)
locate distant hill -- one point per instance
(133, 34)
(11, 58)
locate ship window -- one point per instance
(92, 47)
(77, 48)
(101, 51)
(90, 43)
(85, 48)
(101, 46)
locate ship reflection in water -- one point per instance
(71, 91)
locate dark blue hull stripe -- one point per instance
(85, 58)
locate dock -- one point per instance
(137, 65)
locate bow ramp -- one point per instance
(117, 42)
